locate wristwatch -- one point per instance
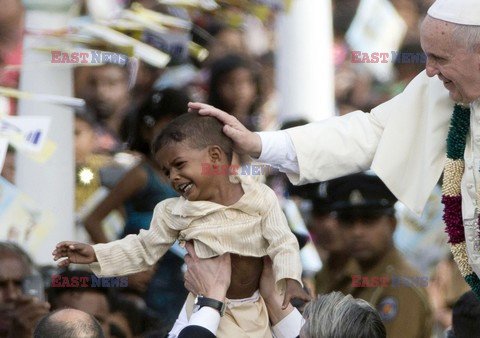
(201, 301)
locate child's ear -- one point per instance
(215, 153)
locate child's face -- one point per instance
(84, 140)
(182, 165)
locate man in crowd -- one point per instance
(68, 323)
(366, 215)
(330, 241)
(92, 300)
(19, 313)
(108, 97)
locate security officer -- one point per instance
(338, 265)
(365, 212)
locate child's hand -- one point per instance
(75, 252)
(294, 290)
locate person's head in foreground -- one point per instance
(450, 37)
(466, 316)
(195, 156)
(15, 266)
(335, 315)
(90, 299)
(68, 323)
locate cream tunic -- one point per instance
(253, 226)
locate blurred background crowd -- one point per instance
(229, 62)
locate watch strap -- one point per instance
(201, 301)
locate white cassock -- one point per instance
(403, 140)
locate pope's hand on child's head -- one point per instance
(75, 252)
(245, 141)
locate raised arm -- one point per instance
(136, 253)
(283, 246)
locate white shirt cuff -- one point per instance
(289, 327)
(207, 317)
(278, 150)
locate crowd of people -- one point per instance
(145, 148)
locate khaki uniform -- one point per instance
(405, 309)
(327, 280)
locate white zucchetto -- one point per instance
(463, 12)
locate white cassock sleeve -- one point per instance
(402, 140)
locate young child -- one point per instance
(219, 213)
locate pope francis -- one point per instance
(405, 139)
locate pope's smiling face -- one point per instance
(457, 66)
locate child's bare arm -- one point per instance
(294, 290)
(75, 252)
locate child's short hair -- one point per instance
(197, 131)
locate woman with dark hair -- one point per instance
(235, 87)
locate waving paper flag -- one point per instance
(25, 132)
(54, 99)
(158, 18)
(208, 5)
(21, 220)
(141, 50)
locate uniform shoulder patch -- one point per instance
(387, 308)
